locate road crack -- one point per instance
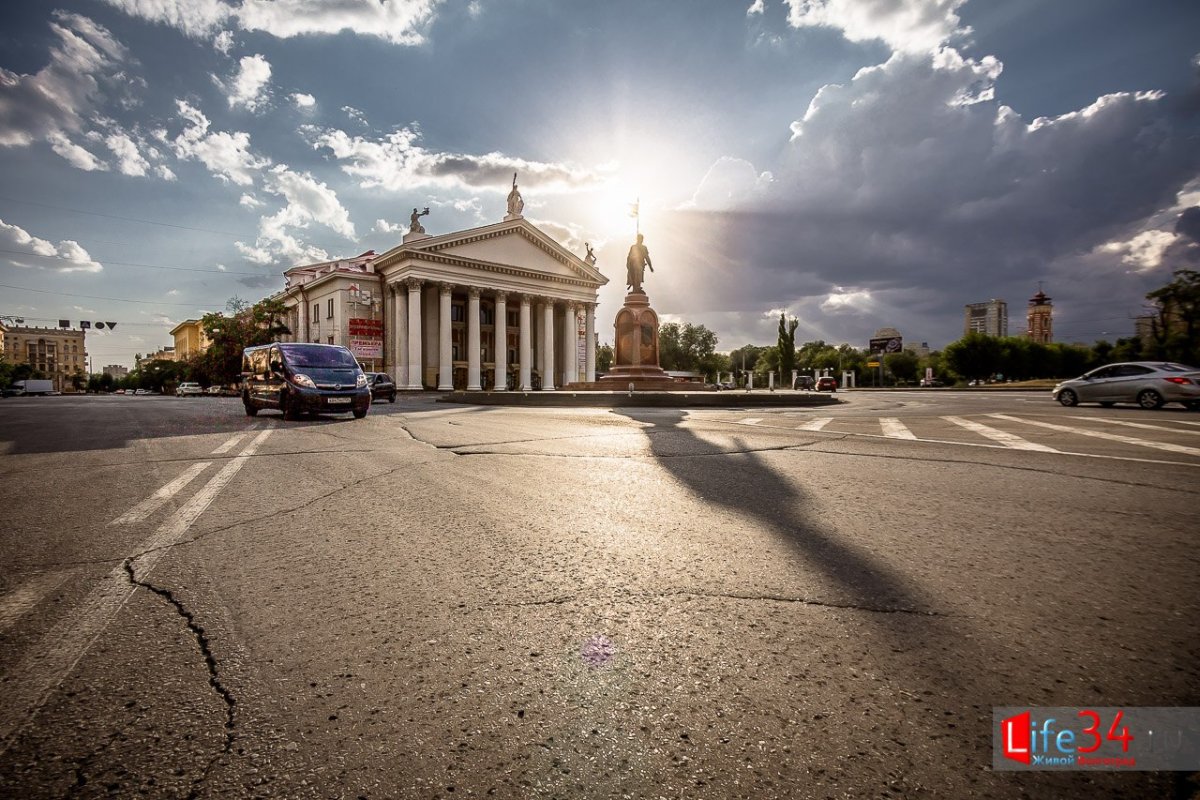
(749, 597)
(210, 662)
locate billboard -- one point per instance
(364, 347)
(372, 328)
(887, 344)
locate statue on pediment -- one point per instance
(416, 226)
(590, 258)
(515, 204)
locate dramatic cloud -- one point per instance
(67, 256)
(223, 42)
(397, 21)
(912, 175)
(227, 155)
(308, 201)
(56, 101)
(383, 226)
(247, 88)
(129, 159)
(398, 161)
(905, 25)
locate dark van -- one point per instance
(298, 378)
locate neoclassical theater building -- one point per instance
(503, 306)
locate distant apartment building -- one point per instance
(116, 371)
(990, 318)
(190, 339)
(165, 354)
(57, 352)
(1039, 318)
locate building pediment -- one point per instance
(514, 245)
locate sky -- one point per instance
(858, 164)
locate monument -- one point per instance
(635, 351)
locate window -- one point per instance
(330, 314)
(316, 313)
(487, 315)
(458, 313)
(1130, 370)
(514, 318)
(331, 338)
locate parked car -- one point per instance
(931, 383)
(1150, 384)
(214, 390)
(826, 384)
(188, 388)
(382, 386)
(297, 378)
(141, 391)
(805, 383)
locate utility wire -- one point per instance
(115, 216)
(136, 264)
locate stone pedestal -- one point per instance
(635, 353)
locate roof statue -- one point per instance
(590, 258)
(515, 204)
(416, 226)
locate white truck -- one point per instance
(29, 388)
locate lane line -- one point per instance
(1139, 425)
(996, 435)
(894, 429)
(26, 595)
(1112, 437)
(51, 660)
(815, 425)
(225, 448)
(152, 503)
(750, 421)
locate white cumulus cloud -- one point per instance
(66, 256)
(129, 159)
(1144, 251)
(905, 25)
(308, 201)
(227, 155)
(248, 86)
(303, 100)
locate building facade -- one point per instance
(1039, 318)
(165, 354)
(989, 318)
(57, 352)
(116, 371)
(190, 339)
(503, 306)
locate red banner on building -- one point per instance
(366, 327)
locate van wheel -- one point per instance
(392, 399)
(359, 414)
(289, 412)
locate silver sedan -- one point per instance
(1147, 383)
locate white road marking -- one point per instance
(26, 595)
(1114, 437)
(750, 421)
(816, 424)
(151, 503)
(996, 435)
(52, 659)
(894, 429)
(229, 445)
(1139, 425)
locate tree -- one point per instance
(684, 346)
(245, 326)
(974, 357)
(1175, 325)
(744, 358)
(902, 365)
(786, 345)
(604, 358)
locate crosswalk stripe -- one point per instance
(1114, 437)
(996, 435)
(1128, 424)
(815, 425)
(28, 594)
(229, 445)
(750, 421)
(151, 503)
(894, 428)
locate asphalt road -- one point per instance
(445, 601)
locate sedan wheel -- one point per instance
(1148, 398)
(1067, 397)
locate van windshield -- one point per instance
(306, 355)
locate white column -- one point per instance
(589, 326)
(445, 361)
(400, 299)
(414, 334)
(548, 350)
(570, 372)
(500, 347)
(474, 343)
(526, 353)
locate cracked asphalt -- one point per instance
(442, 601)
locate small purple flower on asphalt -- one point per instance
(598, 651)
